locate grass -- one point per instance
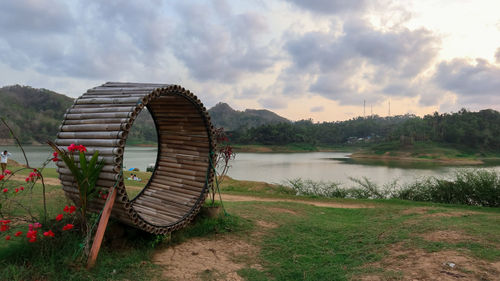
(301, 242)
(339, 244)
(60, 259)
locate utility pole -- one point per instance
(364, 108)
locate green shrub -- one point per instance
(467, 187)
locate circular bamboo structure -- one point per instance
(101, 119)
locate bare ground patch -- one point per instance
(404, 263)
(448, 236)
(449, 214)
(242, 198)
(207, 258)
(282, 210)
(416, 211)
(266, 224)
(46, 180)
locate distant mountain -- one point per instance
(223, 115)
(34, 114)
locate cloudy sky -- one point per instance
(318, 59)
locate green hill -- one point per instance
(224, 116)
(34, 114)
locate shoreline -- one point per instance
(448, 161)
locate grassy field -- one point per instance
(271, 234)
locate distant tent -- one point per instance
(131, 169)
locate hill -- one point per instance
(224, 116)
(34, 114)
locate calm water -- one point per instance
(277, 167)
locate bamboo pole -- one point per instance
(92, 135)
(101, 228)
(100, 110)
(94, 142)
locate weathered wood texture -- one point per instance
(101, 119)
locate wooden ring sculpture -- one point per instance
(101, 118)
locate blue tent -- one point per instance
(131, 169)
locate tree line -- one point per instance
(472, 129)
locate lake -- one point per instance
(278, 167)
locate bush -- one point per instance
(468, 187)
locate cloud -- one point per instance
(331, 6)
(317, 109)
(274, 102)
(249, 92)
(220, 48)
(91, 40)
(497, 55)
(474, 81)
(362, 62)
(31, 17)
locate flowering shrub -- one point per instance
(29, 227)
(35, 228)
(223, 155)
(86, 174)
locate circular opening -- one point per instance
(179, 181)
(141, 151)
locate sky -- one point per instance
(327, 60)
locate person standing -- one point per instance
(3, 161)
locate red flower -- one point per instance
(4, 227)
(55, 154)
(33, 174)
(16, 190)
(1, 177)
(59, 217)
(68, 226)
(49, 233)
(55, 159)
(72, 147)
(32, 235)
(21, 188)
(37, 225)
(66, 209)
(27, 179)
(8, 172)
(72, 209)
(19, 233)
(5, 190)
(7, 237)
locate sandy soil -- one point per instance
(416, 264)
(47, 181)
(216, 258)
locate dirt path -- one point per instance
(47, 180)
(242, 198)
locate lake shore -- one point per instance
(425, 153)
(406, 158)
